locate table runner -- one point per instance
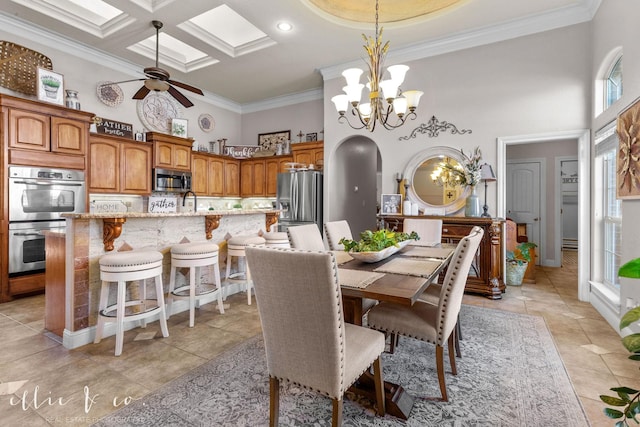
(409, 266)
(357, 278)
(426, 252)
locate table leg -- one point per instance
(398, 402)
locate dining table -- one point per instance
(400, 278)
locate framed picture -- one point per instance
(179, 127)
(628, 128)
(270, 141)
(311, 137)
(50, 86)
(391, 204)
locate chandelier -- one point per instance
(381, 107)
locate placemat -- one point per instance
(357, 278)
(409, 266)
(342, 257)
(426, 252)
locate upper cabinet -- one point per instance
(308, 153)
(41, 134)
(170, 152)
(119, 165)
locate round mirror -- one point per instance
(430, 194)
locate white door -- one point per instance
(523, 198)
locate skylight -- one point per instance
(173, 52)
(227, 31)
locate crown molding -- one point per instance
(546, 21)
(46, 38)
(283, 101)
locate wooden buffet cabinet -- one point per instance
(486, 275)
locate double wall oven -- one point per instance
(37, 197)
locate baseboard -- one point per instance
(604, 301)
(86, 336)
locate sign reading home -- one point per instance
(113, 128)
(240, 151)
(163, 204)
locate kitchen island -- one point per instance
(89, 236)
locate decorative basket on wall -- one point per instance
(19, 67)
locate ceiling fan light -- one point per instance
(157, 85)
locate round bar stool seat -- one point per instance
(125, 268)
(235, 248)
(193, 256)
(276, 239)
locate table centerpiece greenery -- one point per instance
(373, 241)
(628, 398)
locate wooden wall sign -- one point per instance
(113, 128)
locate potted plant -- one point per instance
(517, 262)
(627, 398)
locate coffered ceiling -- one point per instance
(235, 50)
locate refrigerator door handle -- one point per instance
(294, 197)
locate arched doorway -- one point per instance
(356, 170)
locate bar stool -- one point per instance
(124, 268)
(276, 239)
(235, 248)
(193, 256)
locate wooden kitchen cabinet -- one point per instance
(231, 177)
(308, 153)
(170, 152)
(119, 165)
(207, 175)
(252, 178)
(486, 274)
(42, 134)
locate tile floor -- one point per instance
(42, 383)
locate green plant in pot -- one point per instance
(628, 399)
(517, 262)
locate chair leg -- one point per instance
(120, 301)
(377, 374)
(192, 296)
(393, 342)
(102, 305)
(452, 356)
(172, 285)
(216, 276)
(163, 314)
(336, 419)
(274, 401)
(228, 273)
(440, 367)
(458, 337)
(248, 277)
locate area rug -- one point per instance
(510, 375)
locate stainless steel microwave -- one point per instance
(171, 181)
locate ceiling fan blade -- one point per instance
(117, 83)
(186, 86)
(180, 97)
(141, 93)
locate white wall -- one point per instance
(616, 25)
(533, 84)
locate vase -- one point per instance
(71, 101)
(472, 207)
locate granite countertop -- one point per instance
(160, 215)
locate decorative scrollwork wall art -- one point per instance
(433, 128)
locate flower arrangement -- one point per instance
(465, 173)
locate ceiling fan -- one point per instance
(159, 80)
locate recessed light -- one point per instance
(284, 26)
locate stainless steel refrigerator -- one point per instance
(299, 198)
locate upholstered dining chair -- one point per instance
(306, 339)
(429, 230)
(336, 230)
(306, 237)
(433, 323)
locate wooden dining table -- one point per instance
(397, 287)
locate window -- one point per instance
(613, 84)
(608, 209)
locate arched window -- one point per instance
(613, 83)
